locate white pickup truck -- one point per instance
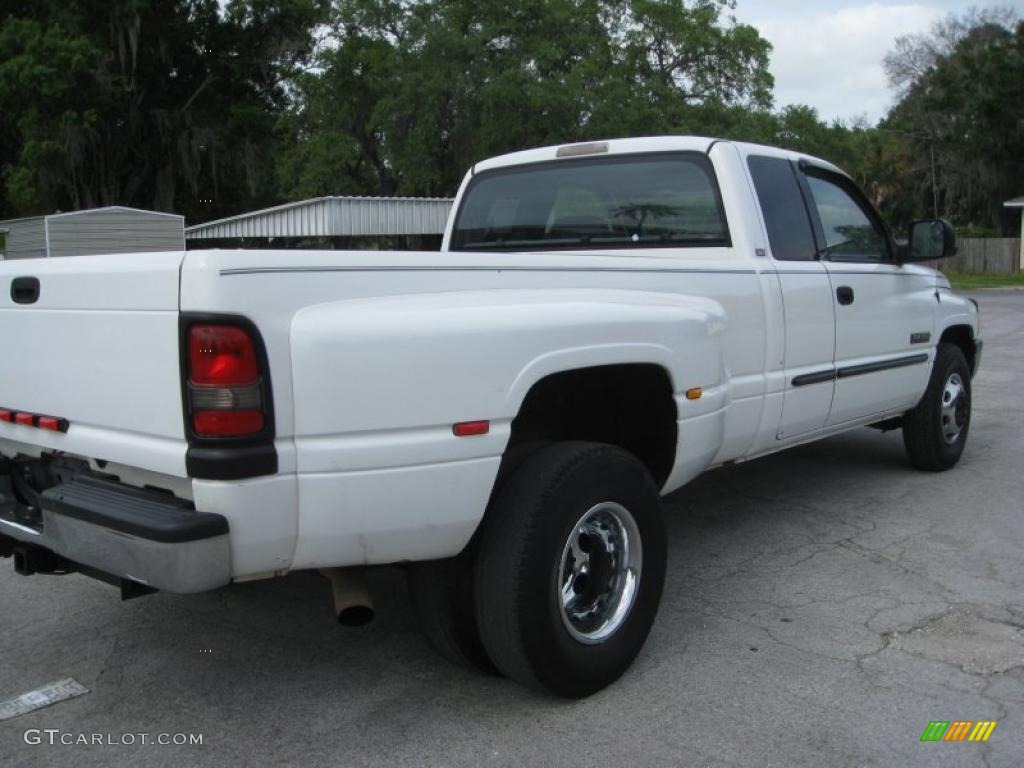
(604, 322)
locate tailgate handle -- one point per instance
(25, 290)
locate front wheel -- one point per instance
(570, 568)
(935, 431)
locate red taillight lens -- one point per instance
(226, 423)
(221, 355)
(6, 415)
(224, 388)
(26, 419)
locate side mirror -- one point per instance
(931, 239)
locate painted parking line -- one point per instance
(51, 693)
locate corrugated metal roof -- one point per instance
(333, 217)
(114, 209)
(112, 229)
(25, 238)
(88, 212)
(5, 222)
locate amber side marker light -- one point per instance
(694, 393)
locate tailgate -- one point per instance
(98, 347)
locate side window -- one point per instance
(850, 234)
(785, 215)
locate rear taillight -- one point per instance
(221, 356)
(225, 385)
(224, 423)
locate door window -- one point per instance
(850, 233)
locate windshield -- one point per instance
(651, 200)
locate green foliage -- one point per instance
(161, 104)
(408, 95)
(962, 113)
(962, 281)
(209, 108)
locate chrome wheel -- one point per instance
(599, 572)
(955, 408)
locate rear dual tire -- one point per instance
(561, 586)
(569, 568)
(441, 592)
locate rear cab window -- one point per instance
(785, 215)
(659, 200)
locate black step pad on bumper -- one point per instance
(133, 511)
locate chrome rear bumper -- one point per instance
(139, 536)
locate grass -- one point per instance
(962, 281)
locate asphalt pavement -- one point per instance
(823, 606)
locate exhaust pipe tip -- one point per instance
(356, 616)
(353, 606)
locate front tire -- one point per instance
(570, 568)
(935, 431)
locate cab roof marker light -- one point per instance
(579, 150)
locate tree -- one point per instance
(408, 95)
(160, 104)
(962, 113)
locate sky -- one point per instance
(828, 53)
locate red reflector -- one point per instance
(5, 415)
(469, 428)
(48, 422)
(221, 355)
(227, 423)
(24, 418)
